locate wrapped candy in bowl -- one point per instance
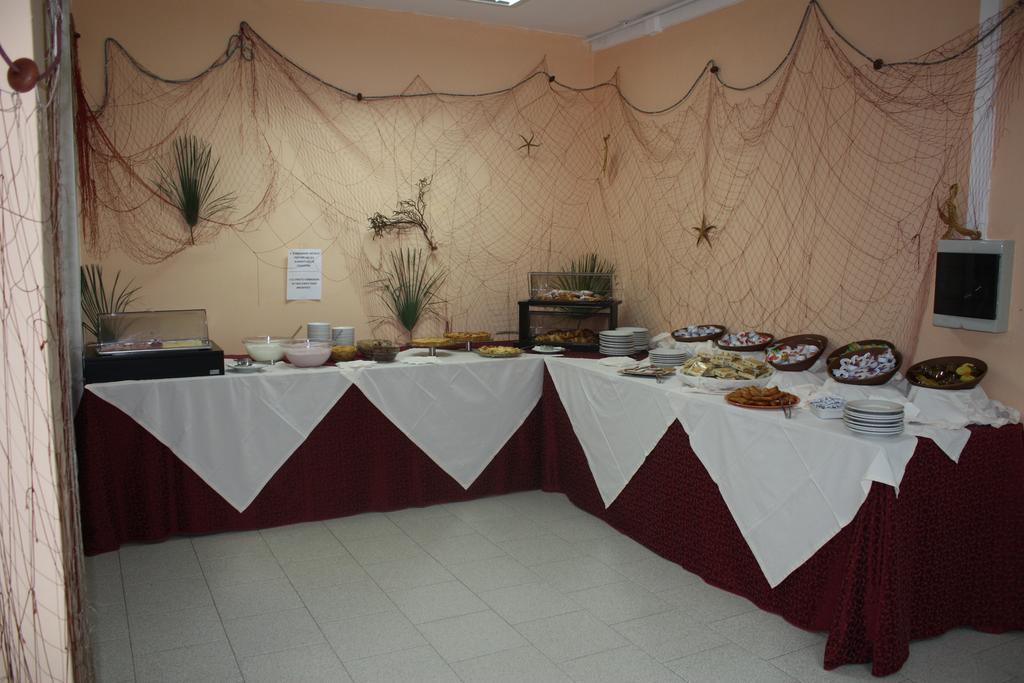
(307, 353)
(867, 366)
(265, 349)
(796, 353)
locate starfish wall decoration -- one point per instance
(704, 231)
(528, 143)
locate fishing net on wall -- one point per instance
(822, 180)
(42, 631)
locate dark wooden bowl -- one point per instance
(981, 365)
(833, 363)
(706, 337)
(753, 347)
(797, 339)
(863, 342)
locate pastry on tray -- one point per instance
(499, 351)
(584, 336)
(761, 397)
(431, 341)
(725, 366)
(463, 337)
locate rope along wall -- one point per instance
(822, 178)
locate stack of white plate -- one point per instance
(616, 342)
(874, 417)
(667, 358)
(343, 335)
(318, 331)
(641, 337)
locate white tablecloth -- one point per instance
(791, 485)
(234, 431)
(617, 420)
(460, 410)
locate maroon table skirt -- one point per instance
(133, 488)
(948, 552)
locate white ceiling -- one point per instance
(583, 18)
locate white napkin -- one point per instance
(956, 409)
(420, 360)
(356, 364)
(617, 362)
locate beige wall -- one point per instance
(373, 52)
(652, 71)
(380, 52)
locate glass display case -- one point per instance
(148, 331)
(152, 345)
(567, 324)
(571, 287)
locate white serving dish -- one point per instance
(264, 349)
(724, 385)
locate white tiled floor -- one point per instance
(523, 587)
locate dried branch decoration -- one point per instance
(949, 214)
(192, 185)
(410, 215)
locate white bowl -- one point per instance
(724, 385)
(264, 349)
(307, 353)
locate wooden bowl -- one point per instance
(366, 346)
(833, 363)
(797, 339)
(753, 347)
(981, 366)
(706, 337)
(384, 354)
(863, 342)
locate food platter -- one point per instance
(548, 349)
(244, 367)
(463, 337)
(498, 351)
(649, 371)
(944, 373)
(432, 344)
(724, 371)
(762, 398)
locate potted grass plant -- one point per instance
(409, 287)
(192, 185)
(587, 273)
(98, 300)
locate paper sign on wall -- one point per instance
(304, 274)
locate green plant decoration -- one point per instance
(96, 300)
(191, 186)
(585, 275)
(410, 288)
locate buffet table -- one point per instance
(943, 553)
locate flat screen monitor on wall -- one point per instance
(972, 284)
